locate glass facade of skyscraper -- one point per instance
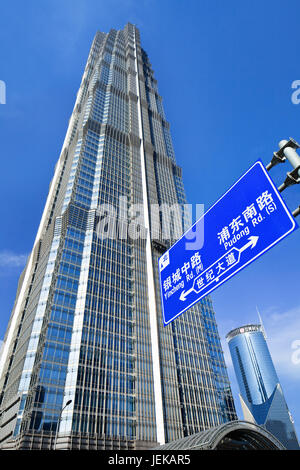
(87, 325)
(261, 394)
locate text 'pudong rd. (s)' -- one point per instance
(244, 223)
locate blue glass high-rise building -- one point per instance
(86, 328)
(261, 394)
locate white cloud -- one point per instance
(283, 329)
(8, 259)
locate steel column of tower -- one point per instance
(159, 415)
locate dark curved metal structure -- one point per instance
(234, 435)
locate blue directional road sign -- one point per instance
(244, 223)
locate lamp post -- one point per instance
(58, 423)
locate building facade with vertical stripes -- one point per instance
(86, 328)
(261, 394)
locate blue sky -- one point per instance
(224, 70)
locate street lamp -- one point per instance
(58, 423)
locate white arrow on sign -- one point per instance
(184, 294)
(252, 242)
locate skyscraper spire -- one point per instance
(261, 323)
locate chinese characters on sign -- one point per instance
(247, 221)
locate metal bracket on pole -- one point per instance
(291, 179)
(296, 212)
(279, 157)
(287, 151)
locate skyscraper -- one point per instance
(86, 357)
(261, 395)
